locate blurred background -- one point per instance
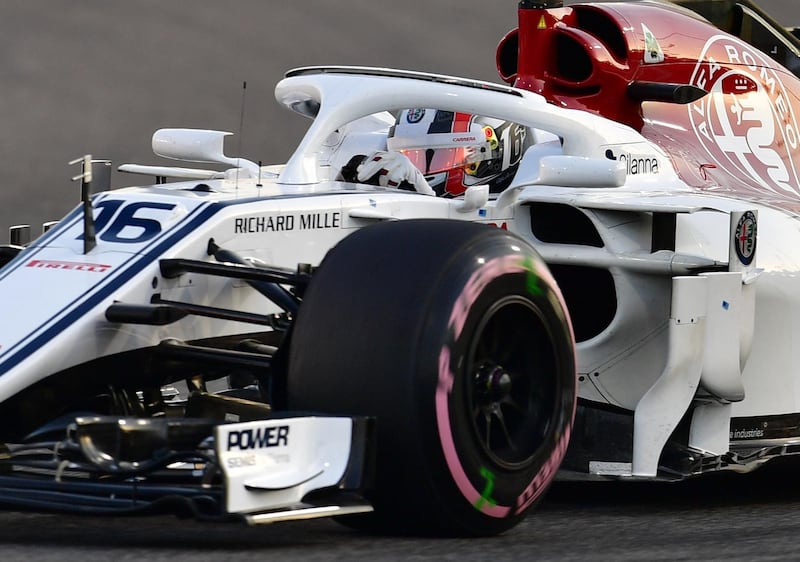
(100, 76)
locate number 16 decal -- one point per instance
(140, 229)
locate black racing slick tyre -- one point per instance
(454, 336)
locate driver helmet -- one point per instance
(457, 150)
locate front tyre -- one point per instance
(454, 336)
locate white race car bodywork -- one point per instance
(694, 328)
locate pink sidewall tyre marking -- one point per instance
(491, 270)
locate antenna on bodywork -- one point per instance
(99, 173)
(241, 129)
(89, 238)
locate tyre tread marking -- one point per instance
(486, 495)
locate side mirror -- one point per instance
(191, 145)
(577, 171)
(562, 170)
(198, 145)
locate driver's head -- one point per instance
(457, 150)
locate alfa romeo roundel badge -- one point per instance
(415, 115)
(745, 238)
(747, 124)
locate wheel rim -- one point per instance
(512, 382)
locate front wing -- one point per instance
(282, 468)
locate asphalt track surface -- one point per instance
(99, 76)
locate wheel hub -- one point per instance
(494, 383)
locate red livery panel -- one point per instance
(725, 111)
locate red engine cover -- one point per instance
(617, 59)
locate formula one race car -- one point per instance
(267, 343)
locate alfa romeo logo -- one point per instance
(415, 115)
(745, 238)
(746, 124)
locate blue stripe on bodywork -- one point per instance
(42, 242)
(25, 348)
(137, 264)
(24, 256)
(121, 270)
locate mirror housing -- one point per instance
(561, 170)
(191, 145)
(197, 145)
(577, 171)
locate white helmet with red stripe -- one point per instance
(457, 150)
